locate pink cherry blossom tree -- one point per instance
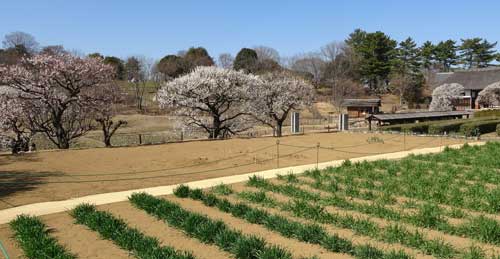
(59, 90)
(277, 95)
(211, 98)
(490, 95)
(442, 96)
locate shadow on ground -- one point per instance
(6, 159)
(12, 182)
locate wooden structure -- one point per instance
(400, 118)
(473, 81)
(359, 108)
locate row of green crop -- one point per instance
(394, 233)
(413, 179)
(112, 228)
(466, 127)
(480, 156)
(310, 233)
(208, 230)
(34, 239)
(302, 206)
(428, 216)
(476, 190)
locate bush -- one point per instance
(487, 113)
(449, 126)
(420, 127)
(477, 128)
(498, 129)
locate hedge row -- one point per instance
(440, 127)
(487, 113)
(477, 128)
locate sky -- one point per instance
(156, 28)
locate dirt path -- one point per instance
(59, 175)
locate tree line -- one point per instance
(63, 95)
(364, 63)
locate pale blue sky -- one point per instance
(157, 28)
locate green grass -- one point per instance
(34, 239)
(130, 239)
(207, 230)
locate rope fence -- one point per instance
(180, 170)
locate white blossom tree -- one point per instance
(59, 90)
(277, 95)
(443, 96)
(210, 98)
(490, 95)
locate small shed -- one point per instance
(359, 108)
(399, 118)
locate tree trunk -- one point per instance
(279, 129)
(216, 128)
(107, 140)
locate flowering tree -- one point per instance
(59, 89)
(104, 100)
(210, 98)
(15, 127)
(443, 96)
(276, 96)
(490, 95)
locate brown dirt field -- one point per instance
(59, 175)
(9, 244)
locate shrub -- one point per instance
(487, 113)
(476, 128)
(449, 126)
(33, 237)
(182, 191)
(222, 189)
(498, 130)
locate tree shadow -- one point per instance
(6, 159)
(12, 182)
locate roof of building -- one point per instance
(361, 102)
(471, 79)
(417, 115)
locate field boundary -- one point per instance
(45, 208)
